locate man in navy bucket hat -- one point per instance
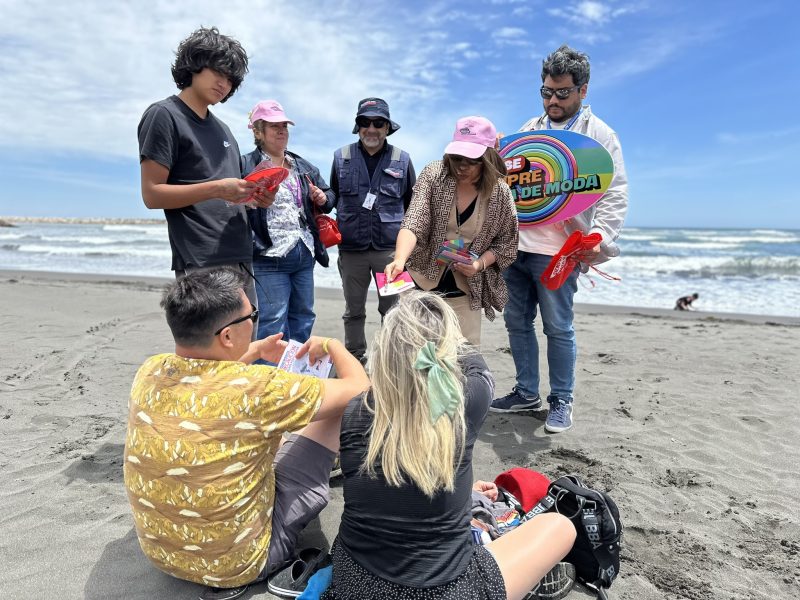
(375, 107)
(372, 182)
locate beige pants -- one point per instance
(470, 320)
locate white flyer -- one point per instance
(290, 362)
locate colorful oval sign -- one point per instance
(554, 174)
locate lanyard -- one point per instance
(292, 184)
(571, 121)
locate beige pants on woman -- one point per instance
(470, 320)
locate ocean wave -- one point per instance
(636, 237)
(699, 245)
(748, 239)
(77, 251)
(12, 236)
(763, 267)
(147, 229)
(91, 240)
(9, 247)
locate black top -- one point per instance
(400, 534)
(196, 150)
(447, 285)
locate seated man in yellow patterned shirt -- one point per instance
(216, 498)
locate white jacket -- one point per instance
(607, 215)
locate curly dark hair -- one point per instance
(208, 48)
(567, 61)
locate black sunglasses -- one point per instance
(470, 162)
(253, 316)
(365, 122)
(561, 94)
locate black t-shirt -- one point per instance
(197, 150)
(400, 534)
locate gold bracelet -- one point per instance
(325, 345)
(483, 264)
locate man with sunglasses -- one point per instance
(565, 79)
(372, 182)
(218, 497)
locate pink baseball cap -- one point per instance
(268, 110)
(473, 135)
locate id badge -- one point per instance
(369, 200)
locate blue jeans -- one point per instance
(525, 292)
(285, 293)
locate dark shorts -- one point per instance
(302, 473)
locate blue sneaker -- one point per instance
(515, 402)
(559, 418)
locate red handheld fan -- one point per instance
(570, 255)
(271, 177)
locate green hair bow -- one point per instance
(443, 388)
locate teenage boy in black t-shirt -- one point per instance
(190, 160)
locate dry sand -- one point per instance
(689, 420)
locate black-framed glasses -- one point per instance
(253, 316)
(470, 162)
(365, 122)
(561, 93)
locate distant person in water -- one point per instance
(685, 302)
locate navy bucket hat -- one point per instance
(375, 107)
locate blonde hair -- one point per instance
(402, 438)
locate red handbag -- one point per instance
(328, 229)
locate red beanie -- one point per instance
(525, 485)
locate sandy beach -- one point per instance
(689, 420)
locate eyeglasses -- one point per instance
(365, 122)
(561, 94)
(470, 162)
(253, 316)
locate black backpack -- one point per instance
(595, 515)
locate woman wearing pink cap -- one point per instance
(463, 202)
(286, 239)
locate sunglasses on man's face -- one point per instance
(561, 94)
(253, 316)
(365, 122)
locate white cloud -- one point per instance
(511, 36)
(81, 75)
(755, 137)
(592, 13)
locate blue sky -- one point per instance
(701, 93)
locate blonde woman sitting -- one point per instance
(406, 454)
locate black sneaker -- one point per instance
(212, 593)
(291, 581)
(515, 402)
(556, 584)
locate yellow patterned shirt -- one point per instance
(202, 437)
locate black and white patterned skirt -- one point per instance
(481, 581)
